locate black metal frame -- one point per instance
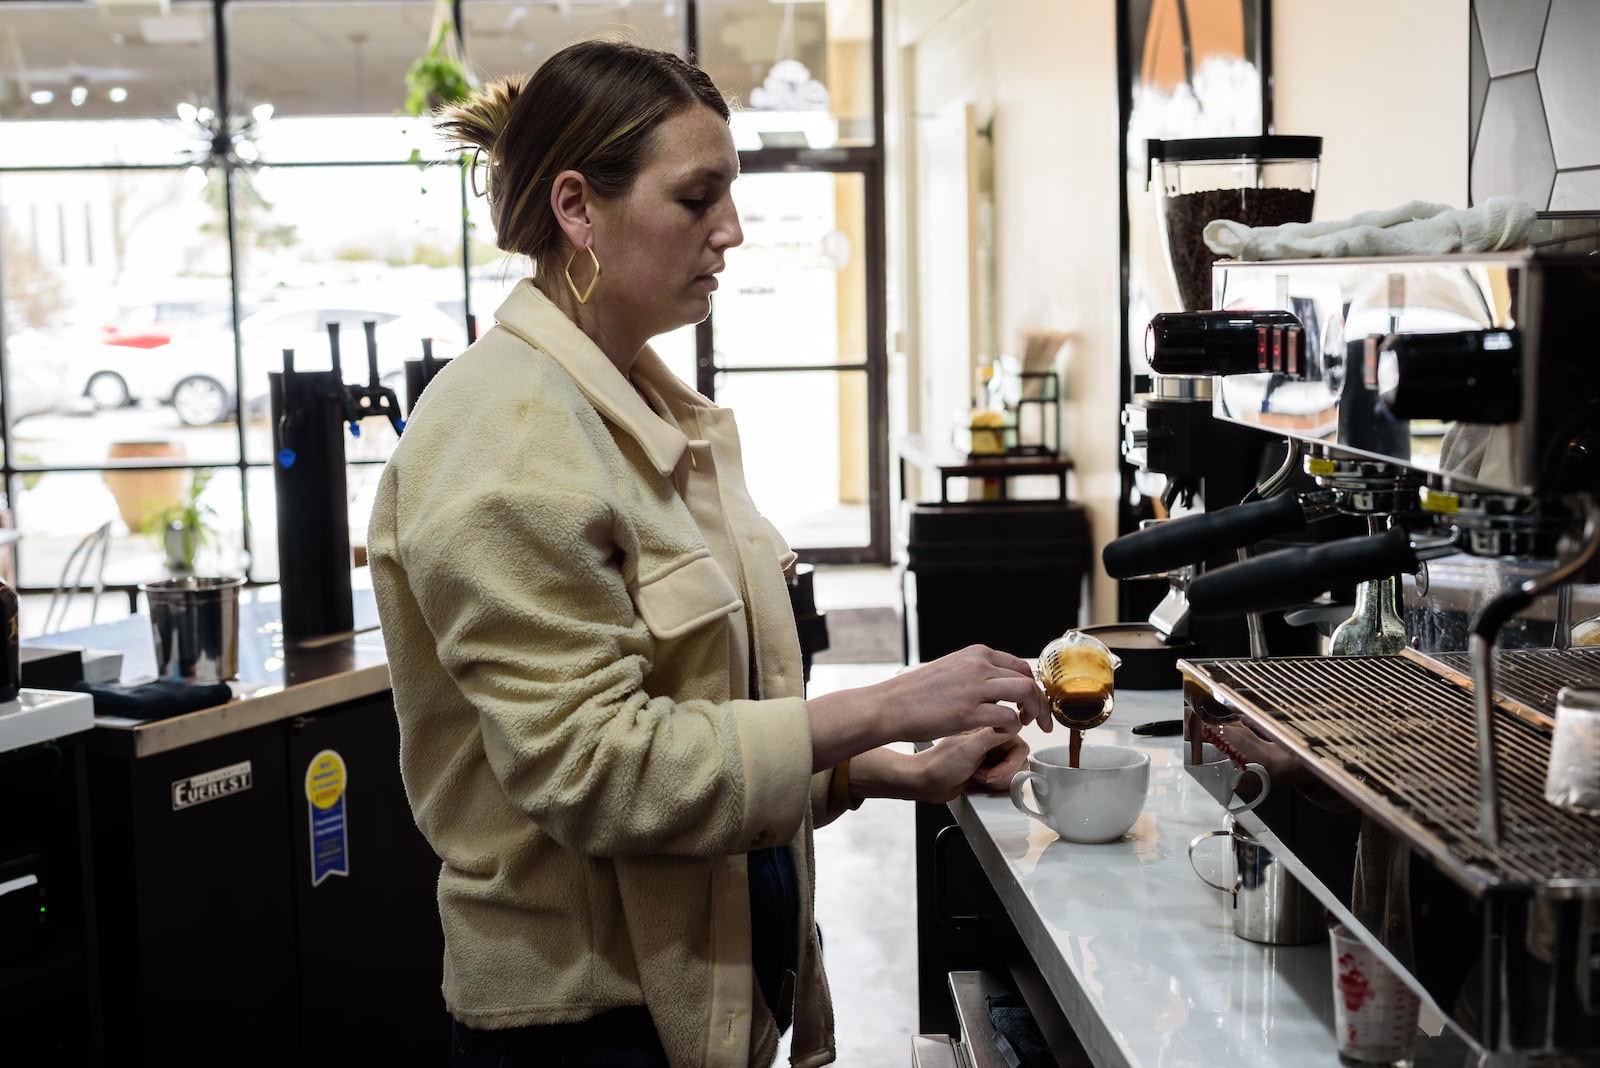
(867, 161)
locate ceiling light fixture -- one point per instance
(116, 94)
(79, 95)
(42, 97)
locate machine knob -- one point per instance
(1469, 376)
(1211, 342)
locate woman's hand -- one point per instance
(967, 689)
(971, 689)
(985, 758)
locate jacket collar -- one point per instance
(531, 315)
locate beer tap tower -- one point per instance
(310, 411)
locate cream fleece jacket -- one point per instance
(571, 663)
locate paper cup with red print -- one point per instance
(1374, 1012)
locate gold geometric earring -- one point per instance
(583, 298)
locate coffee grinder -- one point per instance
(310, 411)
(1170, 429)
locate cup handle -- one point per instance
(1041, 790)
(1266, 788)
(1196, 840)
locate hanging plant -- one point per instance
(436, 77)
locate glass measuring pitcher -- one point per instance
(1076, 673)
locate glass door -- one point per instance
(790, 354)
(796, 344)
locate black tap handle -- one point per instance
(472, 329)
(288, 361)
(389, 405)
(333, 347)
(371, 327)
(1294, 576)
(1179, 542)
(427, 359)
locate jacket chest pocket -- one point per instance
(688, 593)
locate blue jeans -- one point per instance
(619, 1038)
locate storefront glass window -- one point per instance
(187, 189)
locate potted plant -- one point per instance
(437, 77)
(144, 495)
(184, 527)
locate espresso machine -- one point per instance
(1453, 403)
(311, 411)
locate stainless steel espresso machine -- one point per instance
(1454, 403)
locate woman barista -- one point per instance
(595, 666)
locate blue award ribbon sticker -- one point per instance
(325, 787)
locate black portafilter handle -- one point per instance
(1179, 542)
(1294, 576)
(1211, 342)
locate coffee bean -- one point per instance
(1186, 218)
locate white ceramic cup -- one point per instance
(1095, 802)
(1220, 777)
(1374, 1011)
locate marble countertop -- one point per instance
(276, 681)
(1139, 953)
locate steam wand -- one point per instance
(1480, 647)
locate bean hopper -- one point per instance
(1455, 401)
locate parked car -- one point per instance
(194, 372)
(149, 326)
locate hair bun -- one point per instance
(478, 121)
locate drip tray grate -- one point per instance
(1400, 739)
(1533, 677)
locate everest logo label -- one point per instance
(210, 785)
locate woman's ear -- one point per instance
(571, 200)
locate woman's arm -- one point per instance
(953, 695)
(985, 759)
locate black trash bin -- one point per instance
(1008, 574)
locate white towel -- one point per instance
(1417, 228)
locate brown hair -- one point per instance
(593, 107)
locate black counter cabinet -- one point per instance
(240, 921)
(49, 987)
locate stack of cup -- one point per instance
(1374, 1011)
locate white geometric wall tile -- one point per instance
(1576, 190)
(1513, 155)
(1511, 30)
(1569, 79)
